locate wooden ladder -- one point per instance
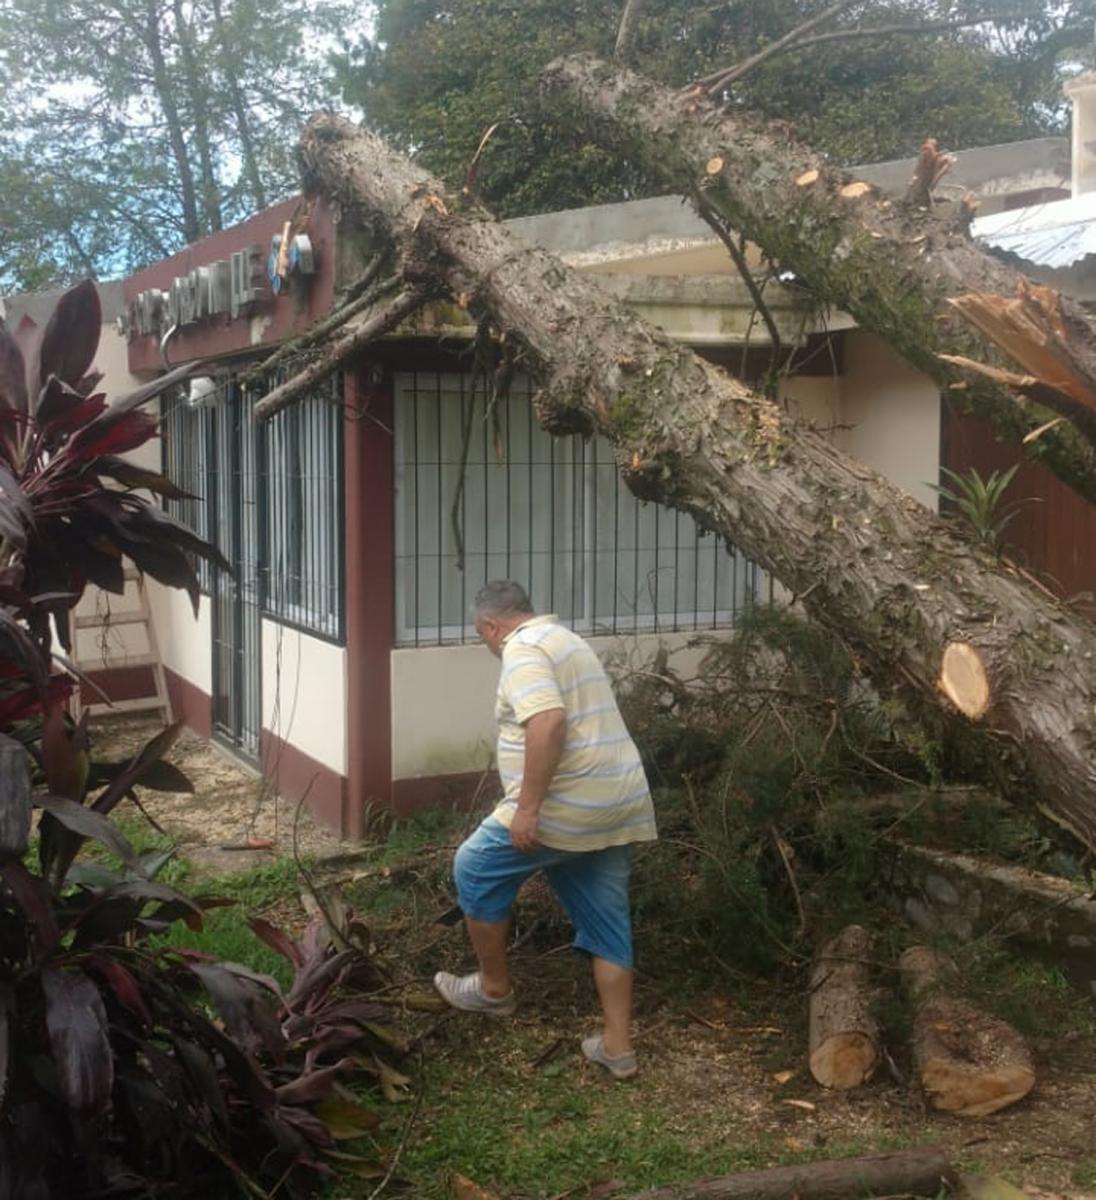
(136, 617)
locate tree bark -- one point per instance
(192, 229)
(239, 111)
(892, 265)
(211, 200)
(920, 1172)
(844, 1036)
(969, 1063)
(866, 559)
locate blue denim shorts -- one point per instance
(591, 885)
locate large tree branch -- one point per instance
(338, 352)
(629, 28)
(867, 559)
(722, 78)
(893, 266)
(797, 40)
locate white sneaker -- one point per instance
(466, 993)
(620, 1066)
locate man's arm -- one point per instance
(545, 735)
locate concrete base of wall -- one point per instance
(297, 775)
(189, 703)
(445, 791)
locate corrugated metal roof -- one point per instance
(1056, 234)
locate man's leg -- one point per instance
(593, 888)
(614, 990)
(488, 940)
(488, 872)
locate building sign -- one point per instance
(231, 287)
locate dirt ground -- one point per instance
(230, 804)
(713, 1063)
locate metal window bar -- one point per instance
(185, 434)
(553, 514)
(301, 560)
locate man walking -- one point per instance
(576, 800)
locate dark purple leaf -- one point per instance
(126, 989)
(276, 940)
(7, 1013)
(16, 514)
(63, 410)
(145, 759)
(244, 972)
(131, 476)
(116, 908)
(13, 376)
(76, 1022)
(71, 336)
(32, 896)
(305, 1123)
(203, 1077)
(79, 819)
(246, 1014)
(153, 388)
(159, 777)
(107, 436)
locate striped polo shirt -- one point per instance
(599, 795)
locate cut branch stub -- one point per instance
(963, 679)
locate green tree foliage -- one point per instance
(438, 73)
(132, 127)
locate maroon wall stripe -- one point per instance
(370, 592)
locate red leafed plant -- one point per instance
(128, 1067)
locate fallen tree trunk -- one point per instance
(893, 265)
(921, 1172)
(866, 559)
(844, 1036)
(968, 1062)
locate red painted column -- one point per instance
(370, 590)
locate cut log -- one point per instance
(893, 265)
(869, 562)
(921, 1172)
(844, 1036)
(963, 679)
(968, 1063)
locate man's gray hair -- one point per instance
(502, 598)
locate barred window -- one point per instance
(550, 513)
(301, 563)
(186, 446)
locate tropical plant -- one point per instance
(979, 503)
(129, 1067)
